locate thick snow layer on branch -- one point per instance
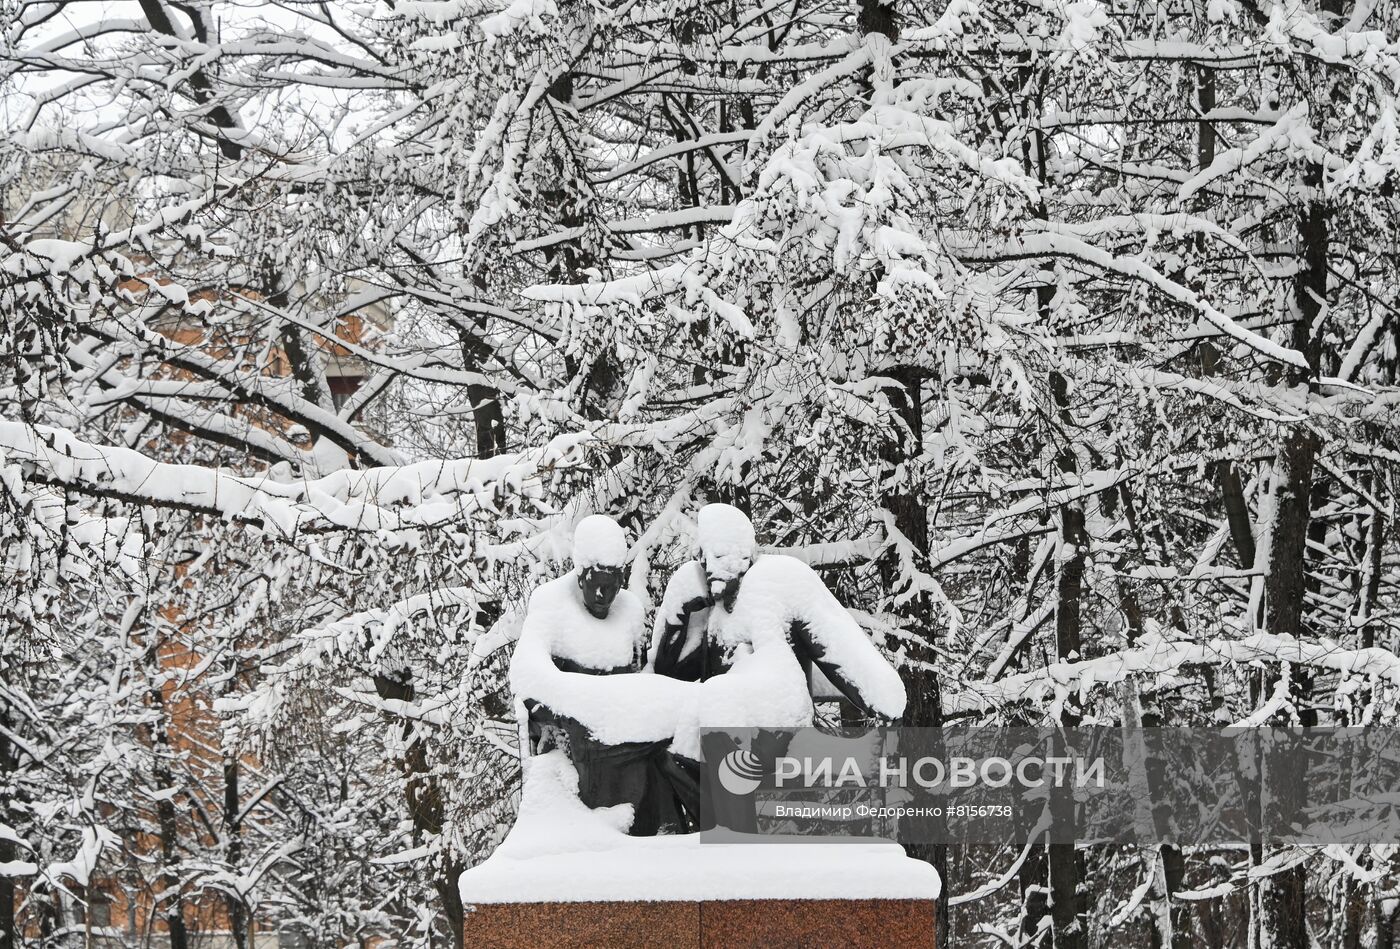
(373, 499)
(379, 627)
(516, 14)
(1065, 245)
(1154, 656)
(84, 862)
(561, 851)
(1290, 130)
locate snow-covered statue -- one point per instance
(750, 629)
(732, 604)
(618, 754)
(737, 638)
(577, 628)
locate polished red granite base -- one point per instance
(718, 924)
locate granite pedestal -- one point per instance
(707, 924)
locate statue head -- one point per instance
(600, 556)
(727, 549)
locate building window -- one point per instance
(97, 911)
(342, 388)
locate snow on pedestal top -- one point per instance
(561, 851)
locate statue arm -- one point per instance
(824, 634)
(685, 596)
(811, 651)
(669, 661)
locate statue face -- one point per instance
(724, 585)
(725, 591)
(600, 586)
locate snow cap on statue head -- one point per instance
(599, 542)
(726, 539)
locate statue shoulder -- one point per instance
(549, 604)
(686, 583)
(629, 608)
(553, 594)
(783, 570)
(688, 575)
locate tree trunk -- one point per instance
(169, 824)
(1066, 916)
(171, 904)
(487, 416)
(1227, 478)
(1375, 549)
(424, 796)
(9, 936)
(1282, 921)
(233, 852)
(1281, 898)
(1067, 927)
(167, 820)
(1172, 915)
(924, 708)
